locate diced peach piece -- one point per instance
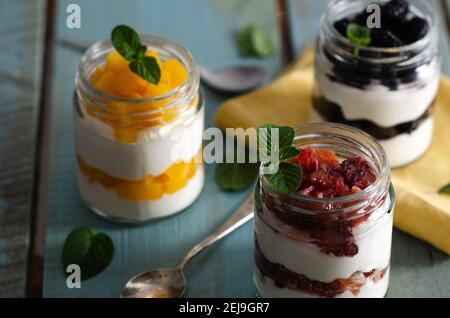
(106, 82)
(177, 72)
(116, 63)
(97, 74)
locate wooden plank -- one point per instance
(418, 270)
(20, 57)
(207, 29)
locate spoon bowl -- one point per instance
(156, 283)
(234, 79)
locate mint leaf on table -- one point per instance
(359, 35)
(445, 189)
(92, 251)
(287, 178)
(253, 41)
(127, 43)
(235, 176)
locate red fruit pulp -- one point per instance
(325, 177)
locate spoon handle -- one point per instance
(243, 214)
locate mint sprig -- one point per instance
(127, 43)
(253, 41)
(358, 35)
(288, 175)
(445, 189)
(92, 251)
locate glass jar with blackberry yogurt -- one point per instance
(386, 88)
(332, 237)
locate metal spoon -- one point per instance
(171, 282)
(234, 79)
(230, 80)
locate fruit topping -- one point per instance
(395, 10)
(325, 177)
(357, 173)
(384, 38)
(415, 29)
(399, 25)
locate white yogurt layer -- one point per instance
(374, 250)
(377, 103)
(405, 148)
(156, 150)
(267, 288)
(106, 203)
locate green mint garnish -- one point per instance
(358, 35)
(92, 251)
(445, 189)
(253, 41)
(237, 176)
(126, 41)
(289, 175)
(287, 179)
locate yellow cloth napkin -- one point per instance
(419, 210)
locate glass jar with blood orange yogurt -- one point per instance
(138, 145)
(332, 237)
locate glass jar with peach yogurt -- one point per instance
(138, 145)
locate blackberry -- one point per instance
(395, 11)
(415, 30)
(384, 38)
(341, 26)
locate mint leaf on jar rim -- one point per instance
(287, 178)
(92, 251)
(146, 68)
(285, 137)
(126, 41)
(359, 35)
(288, 152)
(445, 189)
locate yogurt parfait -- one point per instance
(384, 82)
(138, 143)
(332, 236)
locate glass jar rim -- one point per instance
(383, 177)
(433, 20)
(100, 47)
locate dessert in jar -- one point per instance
(386, 88)
(332, 236)
(138, 145)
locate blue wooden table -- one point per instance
(207, 28)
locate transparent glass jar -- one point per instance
(330, 247)
(387, 92)
(139, 158)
